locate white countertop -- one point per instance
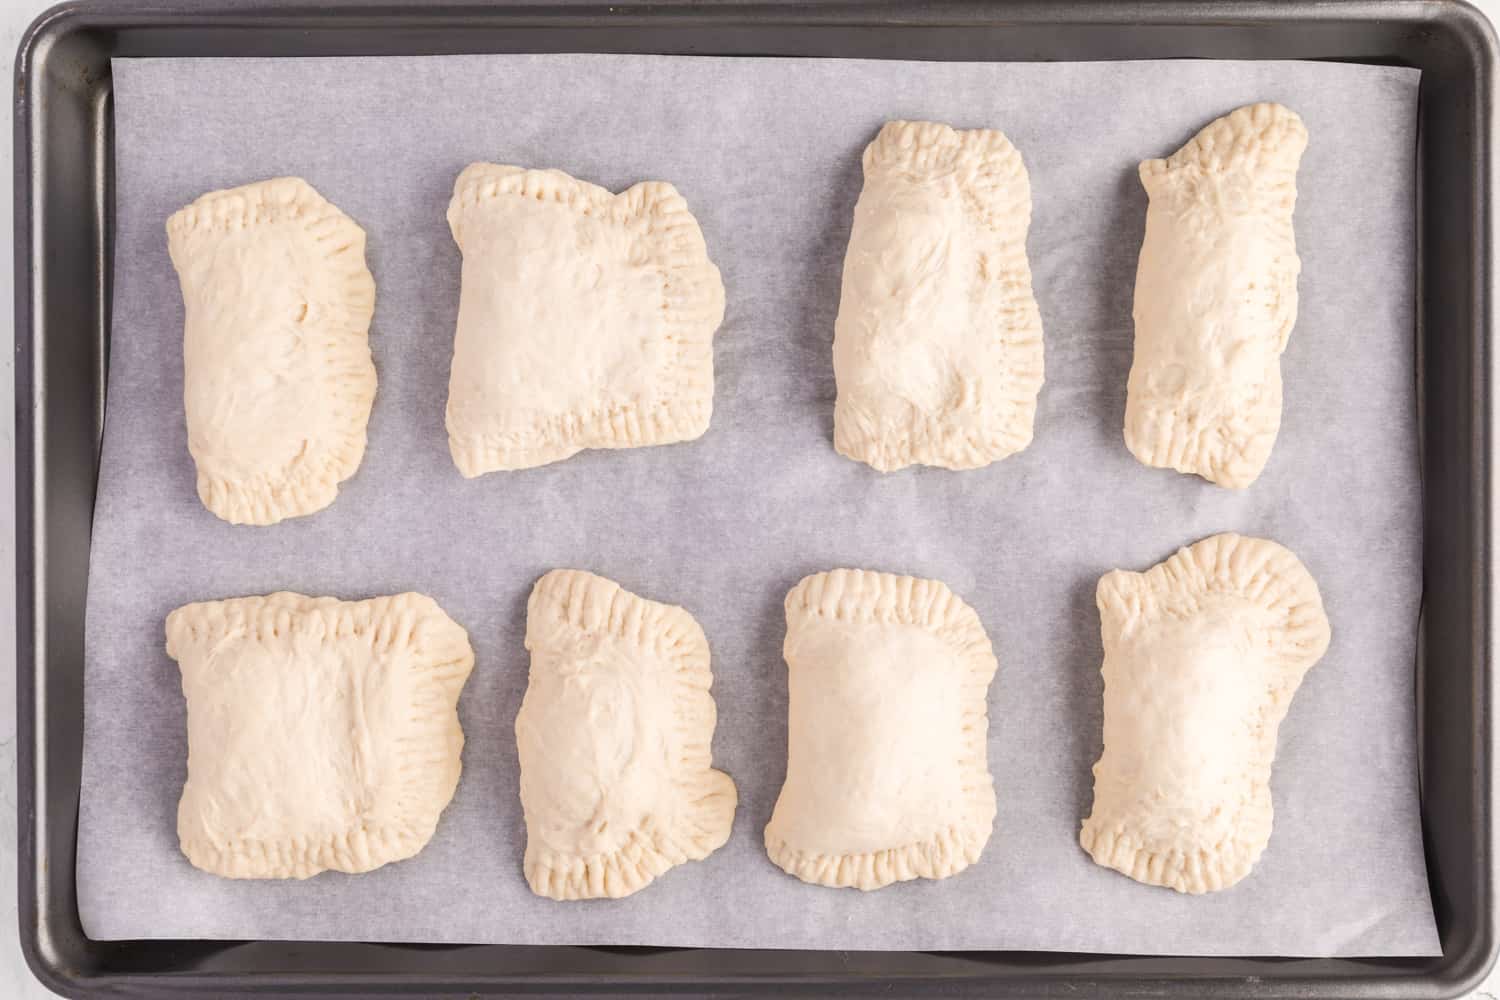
(15, 979)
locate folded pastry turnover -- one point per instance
(887, 774)
(615, 735)
(1216, 297)
(277, 377)
(1202, 654)
(322, 734)
(937, 349)
(586, 319)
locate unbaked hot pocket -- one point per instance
(887, 774)
(937, 348)
(615, 736)
(1202, 655)
(586, 319)
(1216, 297)
(277, 376)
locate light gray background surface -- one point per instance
(767, 154)
(14, 979)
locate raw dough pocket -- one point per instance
(322, 734)
(1216, 297)
(586, 319)
(1202, 654)
(615, 735)
(887, 776)
(937, 348)
(277, 377)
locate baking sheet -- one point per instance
(767, 153)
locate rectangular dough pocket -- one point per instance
(322, 734)
(615, 736)
(937, 348)
(1202, 654)
(586, 319)
(887, 776)
(1216, 297)
(277, 376)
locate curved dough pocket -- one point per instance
(1202, 654)
(277, 377)
(322, 734)
(615, 736)
(887, 777)
(586, 319)
(937, 348)
(1216, 297)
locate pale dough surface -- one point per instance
(1202, 655)
(277, 376)
(937, 347)
(322, 734)
(615, 736)
(586, 319)
(1216, 297)
(887, 773)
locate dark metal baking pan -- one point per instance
(64, 217)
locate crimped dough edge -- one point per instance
(439, 655)
(693, 308)
(1256, 137)
(1230, 453)
(867, 596)
(579, 602)
(992, 176)
(1265, 141)
(1269, 575)
(349, 378)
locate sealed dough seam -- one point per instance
(947, 852)
(1260, 571)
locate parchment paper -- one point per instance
(767, 153)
